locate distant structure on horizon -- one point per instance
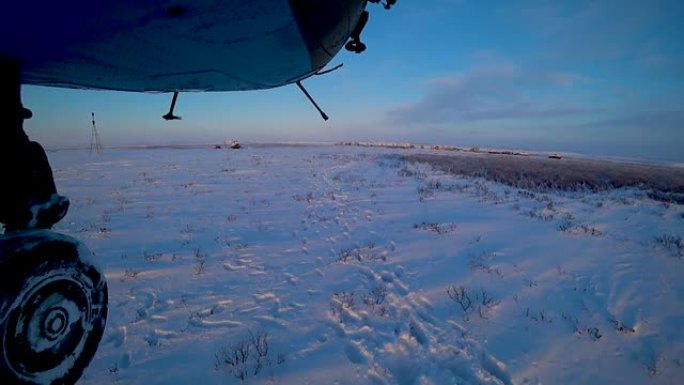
(233, 144)
(95, 143)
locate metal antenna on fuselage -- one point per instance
(301, 87)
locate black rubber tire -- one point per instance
(53, 308)
(355, 46)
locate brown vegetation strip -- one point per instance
(539, 173)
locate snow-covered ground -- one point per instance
(332, 265)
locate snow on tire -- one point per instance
(53, 308)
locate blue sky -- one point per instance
(595, 77)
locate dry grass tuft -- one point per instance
(661, 183)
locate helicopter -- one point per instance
(53, 296)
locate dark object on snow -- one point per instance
(28, 196)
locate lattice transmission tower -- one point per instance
(95, 144)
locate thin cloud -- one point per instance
(492, 93)
(668, 120)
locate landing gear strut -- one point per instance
(53, 300)
(354, 44)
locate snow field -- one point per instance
(328, 265)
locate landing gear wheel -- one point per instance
(53, 308)
(355, 46)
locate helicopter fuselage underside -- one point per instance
(171, 45)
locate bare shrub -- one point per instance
(438, 228)
(622, 328)
(593, 231)
(486, 303)
(486, 299)
(546, 217)
(247, 357)
(539, 316)
(565, 226)
(480, 300)
(461, 296)
(482, 262)
(428, 189)
(666, 197)
(341, 300)
(368, 252)
(375, 300)
(152, 257)
(200, 261)
(594, 334)
(187, 230)
(406, 172)
(349, 255)
(673, 243)
(129, 273)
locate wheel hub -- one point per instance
(55, 323)
(49, 324)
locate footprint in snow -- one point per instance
(291, 278)
(355, 352)
(211, 324)
(231, 267)
(118, 336)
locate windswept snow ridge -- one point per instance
(346, 265)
